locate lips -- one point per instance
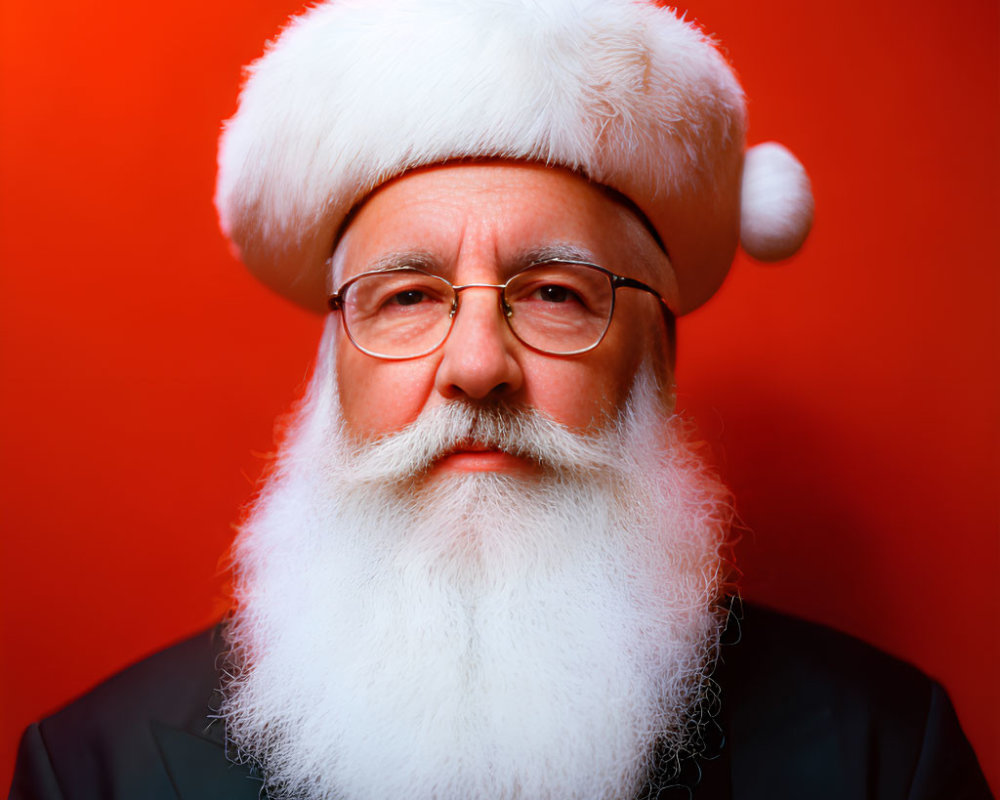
(474, 456)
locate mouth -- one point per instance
(478, 457)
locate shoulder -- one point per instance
(173, 686)
(781, 651)
(832, 716)
(115, 741)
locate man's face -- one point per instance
(421, 601)
(481, 223)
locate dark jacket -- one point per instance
(806, 713)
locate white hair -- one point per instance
(477, 636)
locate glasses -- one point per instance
(562, 308)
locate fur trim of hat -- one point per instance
(355, 92)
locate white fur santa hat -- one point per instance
(356, 92)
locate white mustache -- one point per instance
(526, 433)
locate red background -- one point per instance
(851, 395)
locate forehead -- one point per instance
(504, 213)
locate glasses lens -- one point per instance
(560, 308)
(398, 313)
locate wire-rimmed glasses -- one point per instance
(559, 307)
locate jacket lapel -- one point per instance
(199, 769)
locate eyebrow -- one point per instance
(420, 259)
(558, 251)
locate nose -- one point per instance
(479, 356)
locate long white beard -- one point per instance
(481, 636)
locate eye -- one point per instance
(554, 294)
(557, 288)
(409, 297)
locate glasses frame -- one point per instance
(336, 303)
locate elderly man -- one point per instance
(488, 564)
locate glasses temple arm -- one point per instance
(620, 281)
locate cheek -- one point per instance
(377, 396)
(638, 337)
(579, 392)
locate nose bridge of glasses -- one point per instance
(500, 287)
(464, 286)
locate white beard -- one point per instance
(480, 636)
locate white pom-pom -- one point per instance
(776, 203)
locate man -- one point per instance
(488, 563)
